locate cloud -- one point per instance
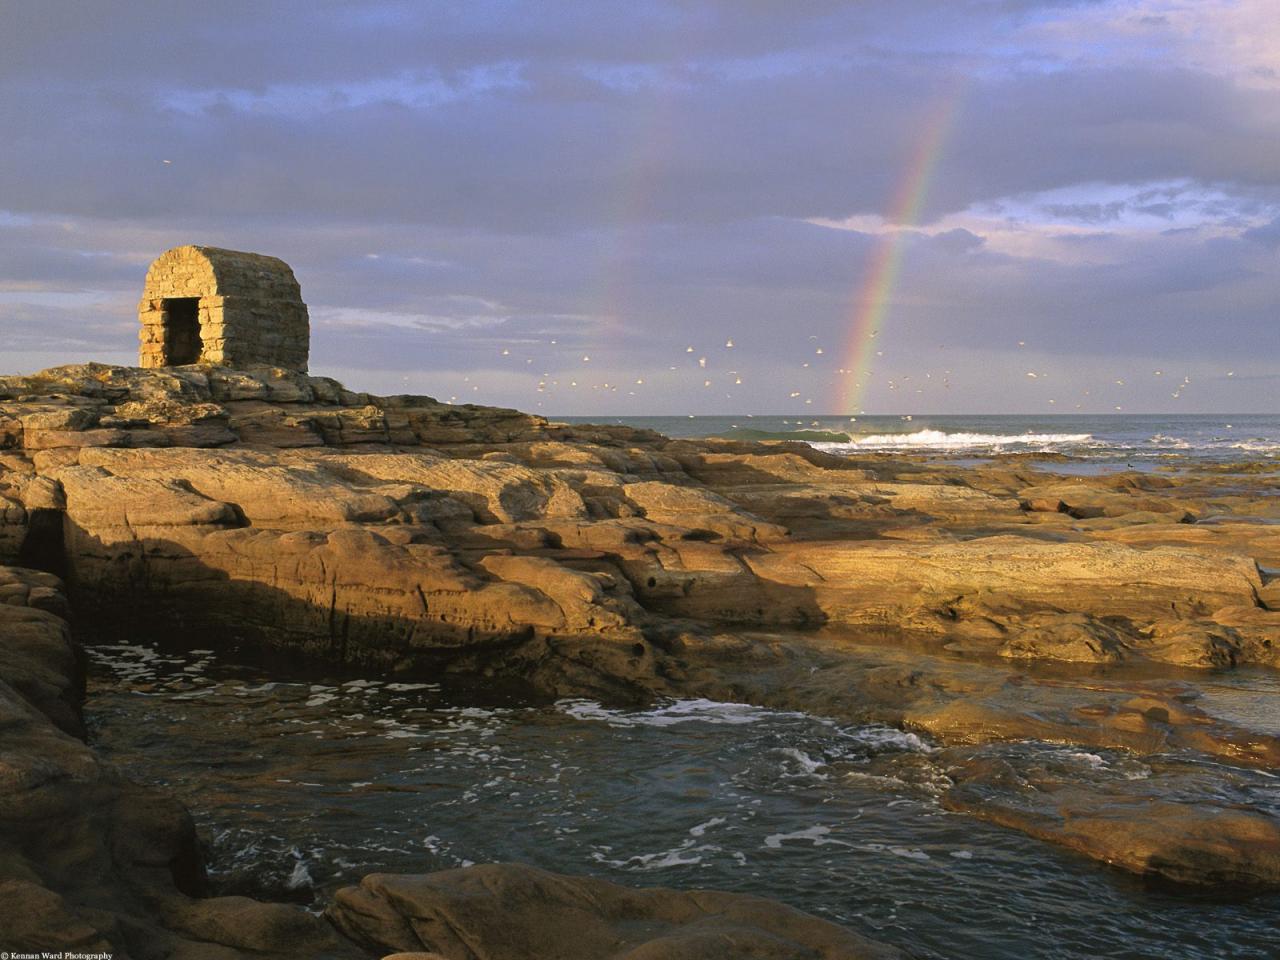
(1268, 234)
(453, 180)
(959, 240)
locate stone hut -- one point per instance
(213, 306)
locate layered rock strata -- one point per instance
(272, 512)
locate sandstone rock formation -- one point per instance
(512, 912)
(265, 510)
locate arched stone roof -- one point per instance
(194, 271)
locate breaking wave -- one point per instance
(939, 440)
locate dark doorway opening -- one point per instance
(182, 342)
(43, 547)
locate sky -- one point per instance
(673, 206)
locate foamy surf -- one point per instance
(940, 440)
(671, 713)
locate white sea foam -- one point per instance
(800, 763)
(702, 828)
(300, 877)
(396, 730)
(669, 714)
(261, 688)
(681, 855)
(1089, 759)
(816, 835)
(940, 440)
(129, 661)
(890, 738)
(1168, 442)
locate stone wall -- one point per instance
(250, 312)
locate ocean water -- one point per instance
(299, 786)
(1118, 439)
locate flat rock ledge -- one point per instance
(511, 911)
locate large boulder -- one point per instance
(511, 911)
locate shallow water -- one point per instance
(1247, 697)
(299, 787)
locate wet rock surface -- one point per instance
(271, 513)
(512, 911)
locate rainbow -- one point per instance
(871, 301)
